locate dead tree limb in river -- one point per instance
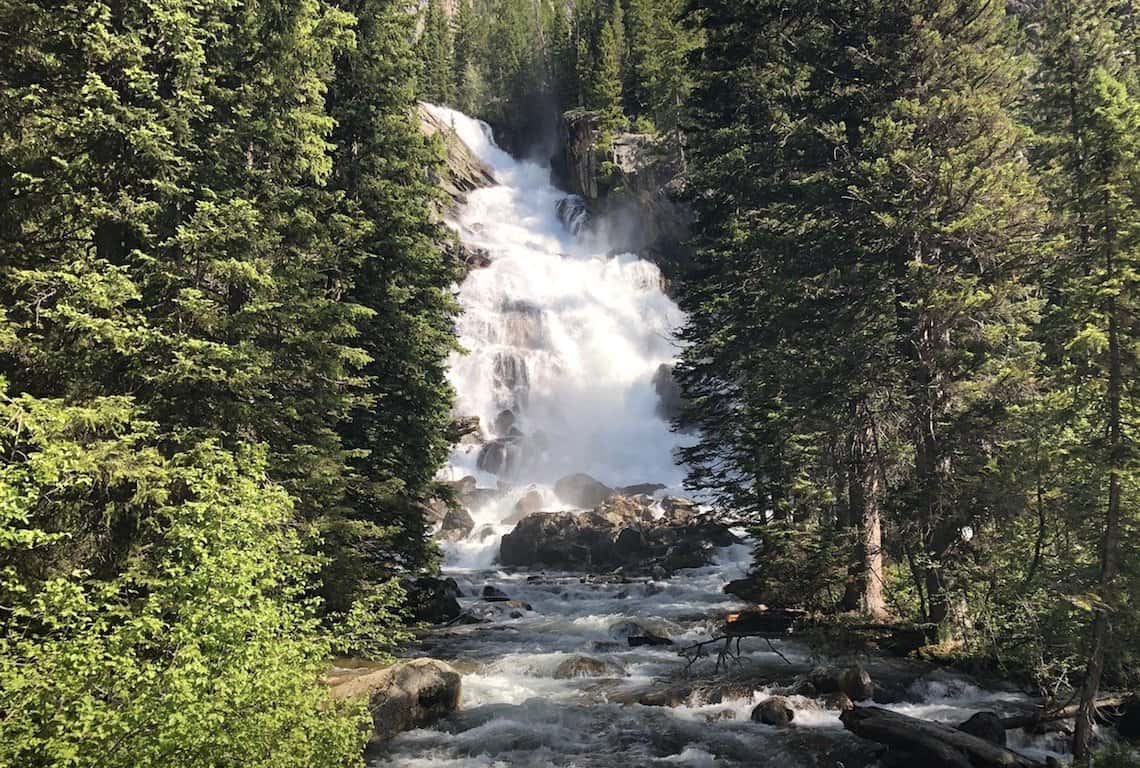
(930, 744)
(1046, 715)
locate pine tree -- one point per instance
(844, 271)
(435, 50)
(604, 87)
(1090, 117)
(398, 272)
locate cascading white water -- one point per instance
(571, 339)
(563, 342)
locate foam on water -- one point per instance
(560, 331)
(570, 338)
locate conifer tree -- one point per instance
(435, 51)
(1090, 115)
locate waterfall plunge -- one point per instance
(560, 333)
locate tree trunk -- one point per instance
(865, 581)
(1110, 543)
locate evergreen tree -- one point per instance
(843, 273)
(435, 51)
(604, 87)
(1090, 117)
(397, 434)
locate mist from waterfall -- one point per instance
(563, 340)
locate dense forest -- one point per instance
(910, 357)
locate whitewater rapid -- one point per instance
(567, 337)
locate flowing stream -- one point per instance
(566, 342)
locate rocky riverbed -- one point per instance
(572, 681)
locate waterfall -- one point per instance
(564, 341)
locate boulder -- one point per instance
(494, 595)
(853, 681)
(775, 710)
(679, 510)
(408, 695)
(630, 542)
(985, 725)
(620, 534)
(838, 701)
(433, 601)
(648, 639)
(857, 684)
(525, 507)
(641, 489)
(505, 422)
(457, 525)
(582, 491)
(587, 666)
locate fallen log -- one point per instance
(1046, 715)
(932, 745)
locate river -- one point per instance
(563, 340)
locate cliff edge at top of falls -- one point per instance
(465, 171)
(637, 179)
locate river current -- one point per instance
(564, 339)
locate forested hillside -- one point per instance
(908, 364)
(226, 315)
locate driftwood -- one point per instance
(753, 622)
(930, 744)
(1045, 714)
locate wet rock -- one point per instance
(432, 600)
(748, 589)
(987, 726)
(588, 666)
(838, 701)
(412, 694)
(465, 171)
(775, 711)
(648, 639)
(525, 507)
(853, 681)
(642, 489)
(619, 534)
(574, 213)
(857, 684)
(499, 456)
(582, 491)
(630, 543)
(457, 525)
(669, 399)
(504, 422)
(492, 594)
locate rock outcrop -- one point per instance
(642, 196)
(582, 491)
(774, 711)
(408, 695)
(619, 533)
(465, 171)
(433, 601)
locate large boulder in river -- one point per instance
(853, 681)
(588, 666)
(987, 726)
(582, 491)
(774, 711)
(433, 601)
(411, 694)
(457, 525)
(530, 503)
(619, 533)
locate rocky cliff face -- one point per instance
(636, 185)
(465, 172)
